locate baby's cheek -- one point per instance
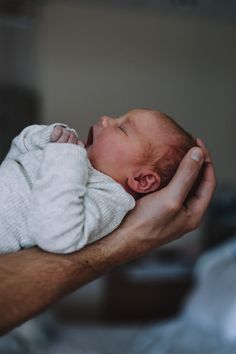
(99, 159)
(103, 153)
(94, 156)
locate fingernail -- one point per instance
(197, 155)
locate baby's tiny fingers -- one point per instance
(79, 142)
(72, 138)
(65, 136)
(56, 133)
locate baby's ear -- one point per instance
(144, 181)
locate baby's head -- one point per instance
(141, 150)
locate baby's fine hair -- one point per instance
(167, 164)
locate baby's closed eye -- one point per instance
(122, 129)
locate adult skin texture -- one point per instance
(31, 280)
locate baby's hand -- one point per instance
(63, 135)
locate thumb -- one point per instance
(187, 173)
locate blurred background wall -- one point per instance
(98, 60)
(83, 59)
(2, 62)
(19, 101)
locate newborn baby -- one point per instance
(60, 194)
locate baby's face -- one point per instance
(116, 146)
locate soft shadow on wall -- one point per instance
(19, 98)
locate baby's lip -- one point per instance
(89, 141)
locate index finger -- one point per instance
(187, 173)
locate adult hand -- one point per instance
(178, 208)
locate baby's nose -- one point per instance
(105, 121)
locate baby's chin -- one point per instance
(89, 149)
(91, 157)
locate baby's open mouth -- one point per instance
(89, 138)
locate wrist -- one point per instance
(130, 241)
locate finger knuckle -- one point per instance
(57, 128)
(173, 205)
(57, 131)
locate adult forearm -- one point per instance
(31, 280)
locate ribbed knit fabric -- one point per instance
(51, 196)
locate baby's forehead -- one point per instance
(161, 132)
(151, 121)
(156, 117)
(150, 129)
